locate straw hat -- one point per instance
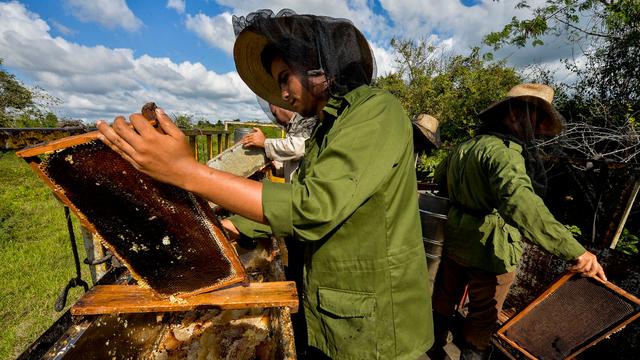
(539, 94)
(247, 52)
(428, 126)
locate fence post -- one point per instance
(194, 145)
(209, 147)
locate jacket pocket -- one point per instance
(348, 323)
(345, 303)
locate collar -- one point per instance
(336, 104)
(509, 141)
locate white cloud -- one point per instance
(461, 27)
(64, 30)
(177, 5)
(358, 11)
(217, 31)
(108, 13)
(99, 82)
(385, 60)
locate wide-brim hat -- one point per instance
(551, 123)
(428, 126)
(247, 52)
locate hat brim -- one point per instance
(552, 124)
(433, 138)
(247, 52)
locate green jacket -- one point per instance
(354, 205)
(494, 206)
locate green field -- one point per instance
(35, 256)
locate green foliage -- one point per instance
(13, 97)
(607, 92)
(184, 121)
(23, 107)
(575, 230)
(427, 164)
(454, 89)
(628, 243)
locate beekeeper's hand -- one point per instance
(588, 264)
(256, 138)
(231, 229)
(164, 155)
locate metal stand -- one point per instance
(77, 281)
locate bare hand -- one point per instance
(256, 138)
(163, 154)
(231, 229)
(587, 264)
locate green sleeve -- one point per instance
(362, 149)
(250, 228)
(522, 208)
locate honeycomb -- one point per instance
(168, 238)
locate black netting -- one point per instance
(314, 45)
(266, 107)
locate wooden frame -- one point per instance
(31, 155)
(120, 299)
(549, 291)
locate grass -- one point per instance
(35, 256)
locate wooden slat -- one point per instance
(64, 143)
(209, 147)
(112, 299)
(193, 142)
(58, 144)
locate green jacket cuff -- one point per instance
(572, 250)
(276, 205)
(250, 228)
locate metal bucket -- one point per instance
(239, 133)
(433, 217)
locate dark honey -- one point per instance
(166, 236)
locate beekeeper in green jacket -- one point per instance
(353, 203)
(492, 181)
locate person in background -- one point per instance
(288, 151)
(353, 202)
(493, 182)
(425, 127)
(426, 140)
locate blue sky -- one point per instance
(104, 58)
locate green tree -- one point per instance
(607, 92)
(24, 107)
(14, 97)
(453, 88)
(184, 121)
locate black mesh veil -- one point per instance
(310, 45)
